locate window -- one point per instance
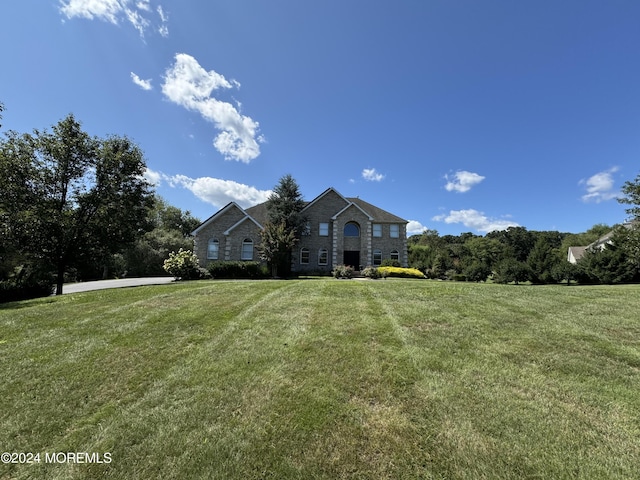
(323, 256)
(304, 256)
(394, 231)
(213, 249)
(377, 230)
(247, 249)
(351, 229)
(395, 255)
(324, 229)
(377, 258)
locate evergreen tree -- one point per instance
(286, 225)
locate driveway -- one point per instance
(125, 282)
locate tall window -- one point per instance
(214, 249)
(324, 229)
(304, 256)
(323, 256)
(377, 230)
(247, 249)
(395, 255)
(351, 229)
(394, 231)
(377, 257)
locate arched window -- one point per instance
(247, 249)
(213, 249)
(377, 257)
(323, 256)
(395, 255)
(351, 229)
(304, 256)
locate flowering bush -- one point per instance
(400, 272)
(183, 265)
(343, 271)
(370, 272)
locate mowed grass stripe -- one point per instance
(326, 379)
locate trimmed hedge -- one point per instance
(237, 269)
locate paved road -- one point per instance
(125, 282)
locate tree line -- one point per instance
(76, 207)
(520, 255)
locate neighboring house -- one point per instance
(339, 230)
(576, 253)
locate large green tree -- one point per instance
(70, 197)
(631, 191)
(285, 226)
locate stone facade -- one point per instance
(340, 230)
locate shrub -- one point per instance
(183, 265)
(26, 282)
(387, 262)
(371, 272)
(237, 269)
(400, 272)
(343, 271)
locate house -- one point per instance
(576, 253)
(340, 230)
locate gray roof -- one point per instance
(261, 214)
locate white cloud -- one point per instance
(462, 181)
(215, 191)
(143, 84)
(164, 20)
(371, 175)
(475, 220)
(153, 177)
(415, 228)
(189, 85)
(113, 11)
(600, 186)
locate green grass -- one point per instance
(325, 379)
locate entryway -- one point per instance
(352, 258)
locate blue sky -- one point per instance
(458, 116)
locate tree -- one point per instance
(285, 205)
(277, 242)
(70, 197)
(286, 225)
(171, 231)
(542, 260)
(631, 190)
(512, 270)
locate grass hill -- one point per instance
(325, 379)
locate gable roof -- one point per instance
(377, 213)
(259, 214)
(224, 209)
(319, 197)
(349, 205)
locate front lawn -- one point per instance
(325, 379)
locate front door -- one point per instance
(352, 258)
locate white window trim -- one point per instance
(320, 229)
(246, 242)
(391, 229)
(216, 242)
(379, 252)
(326, 262)
(378, 227)
(304, 249)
